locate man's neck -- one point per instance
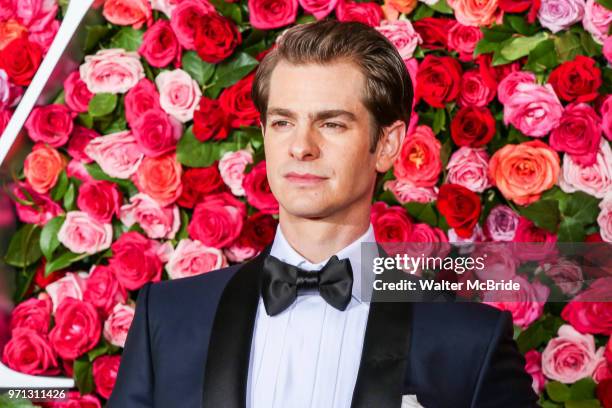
(318, 239)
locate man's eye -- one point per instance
(280, 123)
(332, 125)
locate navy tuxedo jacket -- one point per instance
(190, 340)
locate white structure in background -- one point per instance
(35, 94)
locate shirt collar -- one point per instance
(282, 250)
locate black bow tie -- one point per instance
(282, 283)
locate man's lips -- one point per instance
(304, 177)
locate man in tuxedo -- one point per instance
(292, 327)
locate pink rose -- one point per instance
(105, 369)
(369, 13)
(391, 223)
(192, 258)
(231, 168)
(475, 12)
(51, 124)
(507, 86)
(427, 241)
(557, 15)
(607, 50)
(603, 370)
(160, 178)
(499, 261)
(402, 35)
(111, 71)
(74, 399)
(533, 366)
(269, 14)
(604, 219)
(319, 8)
(72, 285)
(419, 160)
(5, 117)
(165, 6)
(239, 252)
(118, 324)
(476, 90)
(595, 180)
(43, 208)
(133, 13)
(156, 221)
(117, 154)
(569, 357)
(45, 37)
(257, 190)
(29, 352)
(42, 167)
(578, 133)
(463, 39)
(103, 289)
(77, 170)
(526, 304)
(100, 199)
(469, 167)
(156, 133)
(606, 114)
(179, 94)
(80, 138)
(76, 94)
(597, 20)
(185, 18)
(533, 109)
(406, 192)
(217, 220)
(81, 233)
(35, 14)
(501, 223)
(159, 45)
(533, 243)
(140, 99)
(136, 260)
(591, 310)
(566, 274)
(34, 314)
(77, 328)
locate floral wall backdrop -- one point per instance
(149, 165)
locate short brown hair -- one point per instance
(388, 92)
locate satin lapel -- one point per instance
(227, 364)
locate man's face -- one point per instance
(317, 139)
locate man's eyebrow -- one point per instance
(320, 115)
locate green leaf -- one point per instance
(101, 349)
(127, 38)
(422, 11)
(580, 206)
(606, 3)
(83, 375)
(305, 18)
(7, 402)
(229, 10)
(442, 7)
(194, 153)
(568, 45)
(439, 122)
(542, 57)
(63, 261)
(86, 120)
(60, 187)
(93, 35)
(557, 391)
(96, 172)
(519, 24)
(583, 389)
(519, 47)
(199, 70)
(570, 230)
(182, 233)
(24, 249)
(422, 212)
(485, 46)
(590, 47)
(48, 236)
(69, 197)
(231, 71)
(591, 403)
(497, 33)
(102, 104)
(544, 214)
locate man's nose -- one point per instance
(304, 145)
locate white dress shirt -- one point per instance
(309, 354)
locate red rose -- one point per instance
(77, 328)
(34, 314)
(494, 73)
(79, 139)
(198, 182)
(473, 126)
(367, 12)
(590, 311)
(41, 280)
(433, 31)
(216, 38)
(543, 242)
(577, 80)
(438, 80)
(51, 124)
(237, 103)
(460, 207)
(76, 93)
(578, 133)
(105, 370)
(257, 190)
(156, 133)
(463, 39)
(103, 289)
(519, 6)
(259, 230)
(29, 352)
(135, 260)
(140, 99)
(210, 121)
(604, 392)
(100, 199)
(20, 59)
(390, 223)
(159, 45)
(217, 220)
(269, 14)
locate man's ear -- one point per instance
(390, 145)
